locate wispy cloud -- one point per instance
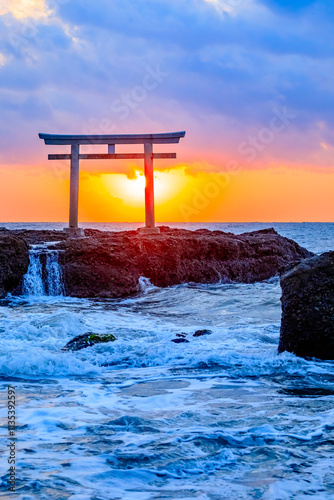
(64, 66)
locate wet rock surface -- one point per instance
(201, 333)
(307, 327)
(181, 337)
(35, 237)
(14, 261)
(87, 340)
(109, 264)
(180, 340)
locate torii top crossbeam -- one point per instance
(111, 140)
(173, 137)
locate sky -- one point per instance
(250, 81)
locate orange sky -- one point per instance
(249, 81)
(29, 194)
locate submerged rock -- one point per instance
(182, 336)
(14, 262)
(87, 340)
(307, 327)
(109, 265)
(200, 333)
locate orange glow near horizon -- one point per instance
(133, 190)
(271, 195)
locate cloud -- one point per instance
(23, 9)
(86, 67)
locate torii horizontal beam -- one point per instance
(126, 156)
(75, 141)
(170, 138)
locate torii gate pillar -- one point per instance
(147, 140)
(73, 228)
(149, 192)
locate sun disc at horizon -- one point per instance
(133, 190)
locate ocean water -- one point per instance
(221, 416)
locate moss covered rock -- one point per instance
(87, 340)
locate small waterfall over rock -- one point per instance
(44, 275)
(33, 280)
(54, 278)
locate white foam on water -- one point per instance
(145, 285)
(222, 416)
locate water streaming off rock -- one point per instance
(44, 275)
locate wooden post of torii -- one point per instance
(75, 141)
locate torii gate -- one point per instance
(111, 140)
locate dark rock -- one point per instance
(87, 340)
(109, 265)
(307, 328)
(200, 333)
(14, 262)
(35, 237)
(183, 335)
(179, 341)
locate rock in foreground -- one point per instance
(109, 265)
(14, 262)
(87, 340)
(307, 328)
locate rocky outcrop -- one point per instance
(35, 236)
(14, 261)
(109, 265)
(307, 328)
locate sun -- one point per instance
(135, 188)
(132, 191)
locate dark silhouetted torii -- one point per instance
(75, 141)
